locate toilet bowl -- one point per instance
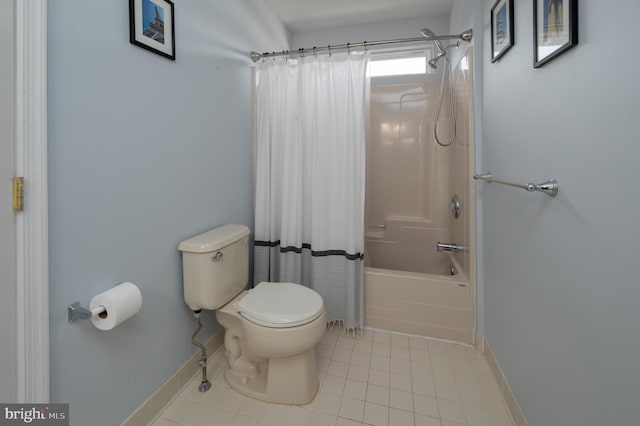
(270, 337)
(270, 331)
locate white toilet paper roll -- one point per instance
(120, 303)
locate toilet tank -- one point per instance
(215, 266)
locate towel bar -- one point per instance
(549, 187)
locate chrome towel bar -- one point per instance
(549, 187)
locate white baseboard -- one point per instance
(153, 406)
(512, 404)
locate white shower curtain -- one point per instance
(310, 177)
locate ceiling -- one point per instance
(304, 15)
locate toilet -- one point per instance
(270, 331)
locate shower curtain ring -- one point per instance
(329, 48)
(365, 46)
(348, 48)
(301, 52)
(315, 54)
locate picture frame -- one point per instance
(555, 29)
(502, 31)
(152, 26)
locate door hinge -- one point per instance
(18, 194)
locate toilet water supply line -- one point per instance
(205, 384)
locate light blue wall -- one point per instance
(143, 153)
(561, 283)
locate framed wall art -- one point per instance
(151, 26)
(555, 29)
(502, 33)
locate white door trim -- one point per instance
(32, 251)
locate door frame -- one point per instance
(32, 249)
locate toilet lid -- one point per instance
(280, 305)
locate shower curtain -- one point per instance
(310, 177)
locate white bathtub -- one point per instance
(432, 305)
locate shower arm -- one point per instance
(465, 36)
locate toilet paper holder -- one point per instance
(76, 312)
(109, 308)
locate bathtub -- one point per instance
(411, 182)
(418, 303)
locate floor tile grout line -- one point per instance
(445, 351)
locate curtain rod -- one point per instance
(465, 36)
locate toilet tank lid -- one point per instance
(215, 239)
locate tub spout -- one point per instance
(449, 247)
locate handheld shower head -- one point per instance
(427, 33)
(433, 62)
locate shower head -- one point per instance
(427, 33)
(433, 62)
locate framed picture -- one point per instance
(555, 29)
(151, 26)
(501, 28)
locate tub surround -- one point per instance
(407, 244)
(408, 284)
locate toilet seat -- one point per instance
(280, 305)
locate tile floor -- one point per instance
(379, 379)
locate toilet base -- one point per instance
(289, 380)
(271, 364)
